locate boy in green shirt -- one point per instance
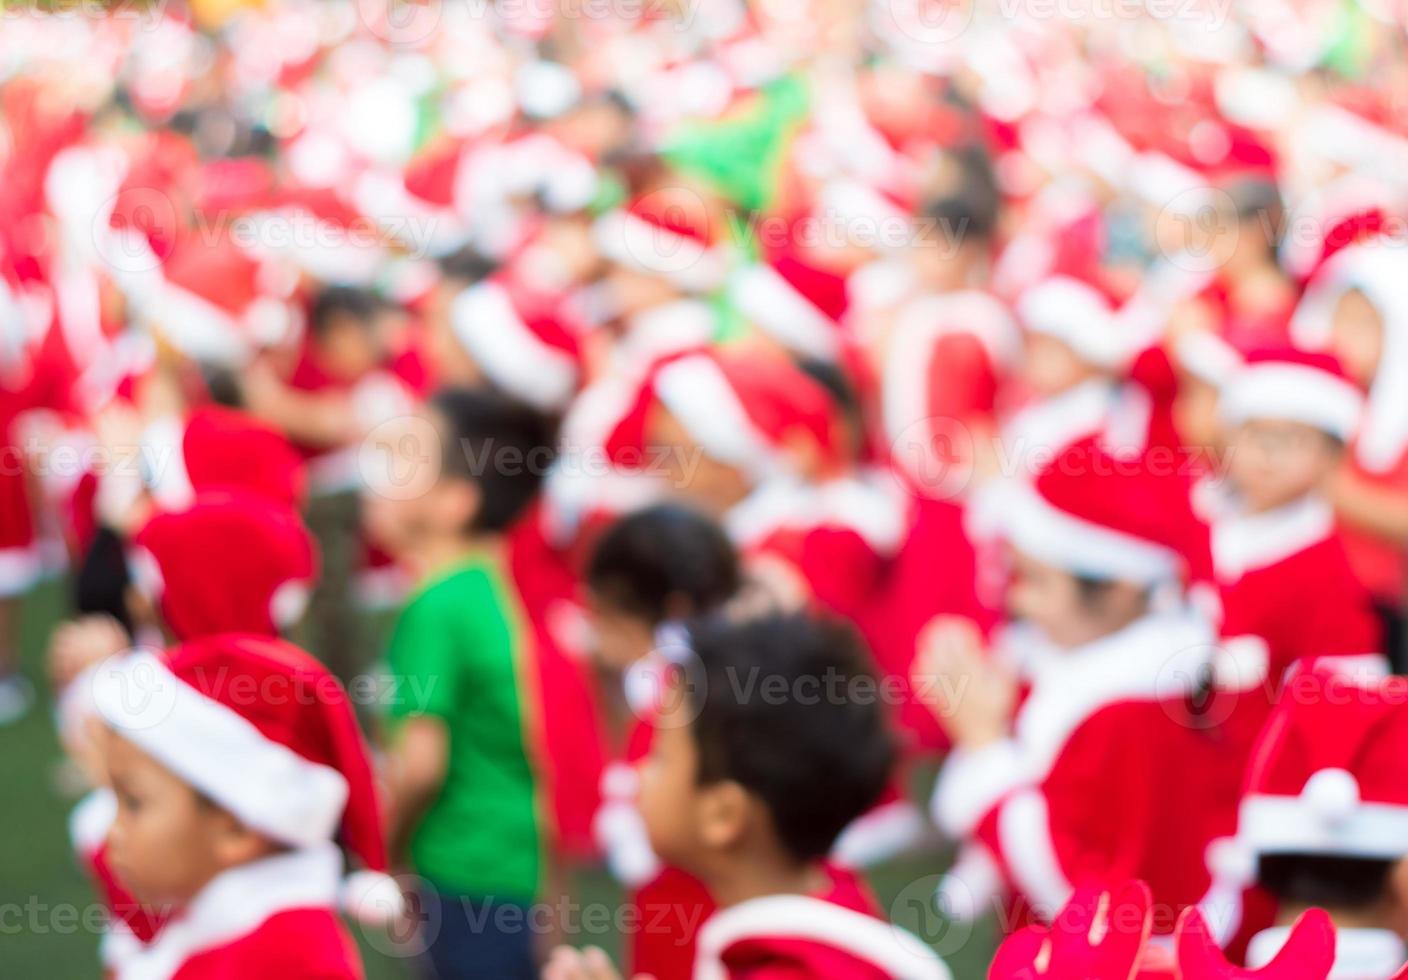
(461, 776)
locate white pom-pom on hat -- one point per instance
(1332, 795)
(372, 898)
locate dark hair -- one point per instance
(970, 216)
(1327, 880)
(786, 706)
(358, 305)
(500, 444)
(833, 378)
(466, 265)
(648, 558)
(1255, 199)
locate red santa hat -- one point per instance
(1309, 952)
(263, 730)
(1105, 517)
(1329, 775)
(225, 449)
(667, 235)
(1377, 269)
(1293, 386)
(794, 302)
(531, 356)
(745, 409)
(1076, 314)
(232, 562)
(1098, 935)
(217, 303)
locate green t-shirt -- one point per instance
(460, 652)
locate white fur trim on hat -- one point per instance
(772, 303)
(1293, 393)
(1328, 817)
(1072, 312)
(695, 391)
(1049, 534)
(267, 785)
(508, 351)
(687, 262)
(1378, 270)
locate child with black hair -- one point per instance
(660, 565)
(1323, 820)
(766, 750)
(463, 772)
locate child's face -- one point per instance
(349, 349)
(1050, 599)
(1272, 462)
(672, 803)
(690, 473)
(166, 841)
(417, 503)
(621, 638)
(635, 292)
(1357, 336)
(1051, 366)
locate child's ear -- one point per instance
(235, 843)
(1397, 896)
(724, 815)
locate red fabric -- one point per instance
(225, 449)
(321, 728)
(223, 560)
(575, 752)
(918, 588)
(784, 958)
(670, 910)
(1129, 797)
(1307, 605)
(299, 944)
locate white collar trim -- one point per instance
(889, 947)
(233, 904)
(1245, 542)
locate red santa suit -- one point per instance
(838, 934)
(293, 768)
(1105, 774)
(1288, 591)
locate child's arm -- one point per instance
(1380, 510)
(416, 763)
(305, 417)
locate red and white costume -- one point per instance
(293, 768)
(1288, 591)
(835, 935)
(1095, 784)
(1328, 778)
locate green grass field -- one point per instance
(48, 920)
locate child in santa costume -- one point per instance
(465, 757)
(1076, 758)
(1288, 591)
(749, 791)
(230, 809)
(268, 566)
(1354, 308)
(1323, 820)
(650, 569)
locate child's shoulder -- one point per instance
(295, 944)
(479, 579)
